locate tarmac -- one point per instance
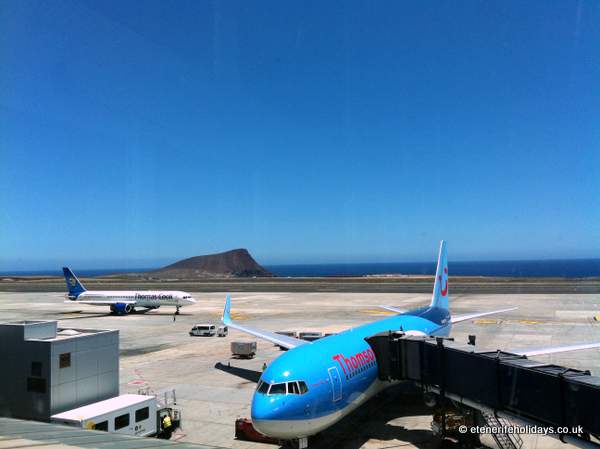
(157, 353)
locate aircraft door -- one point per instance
(336, 383)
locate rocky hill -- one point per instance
(234, 263)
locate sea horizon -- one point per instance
(569, 268)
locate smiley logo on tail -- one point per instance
(444, 289)
(72, 282)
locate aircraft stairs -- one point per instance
(503, 440)
(505, 394)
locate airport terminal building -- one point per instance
(47, 370)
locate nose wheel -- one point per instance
(177, 310)
(298, 443)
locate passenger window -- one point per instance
(303, 387)
(277, 389)
(102, 426)
(142, 414)
(121, 421)
(293, 388)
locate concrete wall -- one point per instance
(39, 329)
(15, 400)
(93, 374)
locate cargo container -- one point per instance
(310, 336)
(243, 349)
(292, 334)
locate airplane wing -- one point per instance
(469, 316)
(555, 349)
(392, 308)
(100, 302)
(281, 340)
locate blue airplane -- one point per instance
(313, 385)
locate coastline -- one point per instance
(373, 284)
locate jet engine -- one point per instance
(121, 309)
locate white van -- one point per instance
(129, 414)
(204, 330)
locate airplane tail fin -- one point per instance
(73, 285)
(440, 288)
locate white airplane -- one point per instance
(122, 302)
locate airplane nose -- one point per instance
(191, 300)
(264, 414)
(262, 407)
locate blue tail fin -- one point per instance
(440, 288)
(73, 285)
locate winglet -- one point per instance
(226, 318)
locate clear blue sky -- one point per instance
(136, 133)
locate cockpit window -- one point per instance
(277, 389)
(292, 387)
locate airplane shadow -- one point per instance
(372, 422)
(247, 374)
(79, 315)
(84, 314)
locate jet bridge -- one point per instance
(498, 385)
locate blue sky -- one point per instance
(303, 131)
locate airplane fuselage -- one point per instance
(142, 298)
(340, 374)
(123, 302)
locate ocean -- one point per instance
(571, 268)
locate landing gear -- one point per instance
(298, 443)
(176, 310)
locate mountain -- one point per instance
(234, 263)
